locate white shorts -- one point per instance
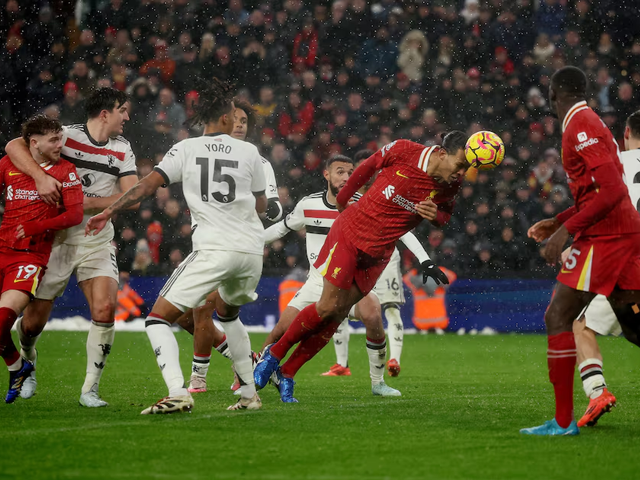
(86, 261)
(310, 291)
(389, 288)
(234, 275)
(600, 318)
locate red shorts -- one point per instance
(21, 271)
(342, 263)
(598, 264)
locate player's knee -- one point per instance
(103, 311)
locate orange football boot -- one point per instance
(338, 371)
(597, 407)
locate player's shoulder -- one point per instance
(584, 120)
(122, 140)
(75, 126)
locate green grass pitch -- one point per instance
(464, 399)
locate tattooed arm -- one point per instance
(141, 190)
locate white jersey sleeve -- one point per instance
(270, 177)
(172, 164)
(631, 163)
(413, 244)
(259, 183)
(293, 222)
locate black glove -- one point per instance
(430, 269)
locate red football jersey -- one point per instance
(586, 144)
(387, 210)
(23, 203)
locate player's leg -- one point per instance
(29, 328)
(102, 295)
(341, 345)
(395, 332)
(626, 306)
(165, 347)
(566, 305)
(369, 311)
(12, 302)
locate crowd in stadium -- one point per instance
(331, 77)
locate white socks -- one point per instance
(377, 351)
(27, 344)
(200, 365)
(99, 342)
(395, 332)
(592, 377)
(240, 349)
(165, 346)
(341, 343)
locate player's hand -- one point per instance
(427, 209)
(49, 189)
(20, 232)
(565, 254)
(431, 270)
(96, 224)
(543, 229)
(553, 249)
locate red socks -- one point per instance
(8, 349)
(561, 359)
(308, 349)
(305, 323)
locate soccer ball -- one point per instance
(484, 150)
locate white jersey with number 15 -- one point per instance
(219, 176)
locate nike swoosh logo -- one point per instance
(13, 174)
(564, 271)
(400, 175)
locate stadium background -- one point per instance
(328, 77)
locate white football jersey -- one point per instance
(270, 178)
(219, 176)
(631, 163)
(100, 166)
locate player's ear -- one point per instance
(627, 132)
(325, 174)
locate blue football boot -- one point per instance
(16, 380)
(285, 387)
(552, 429)
(265, 367)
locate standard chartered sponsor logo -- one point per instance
(21, 194)
(404, 203)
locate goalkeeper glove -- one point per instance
(430, 269)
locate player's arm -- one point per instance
(72, 200)
(274, 208)
(259, 183)
(292, 222)
(428, 268)
(92, 204)
(361, 175)
(261, 202)
(141, 190)
(48, 187)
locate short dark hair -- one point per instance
(633, 122)
(248, 109)
(40, 125)
(570, 81)
(338, 158)
(105, 98)
(215, 99)
(454, 141)
(362, 155)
